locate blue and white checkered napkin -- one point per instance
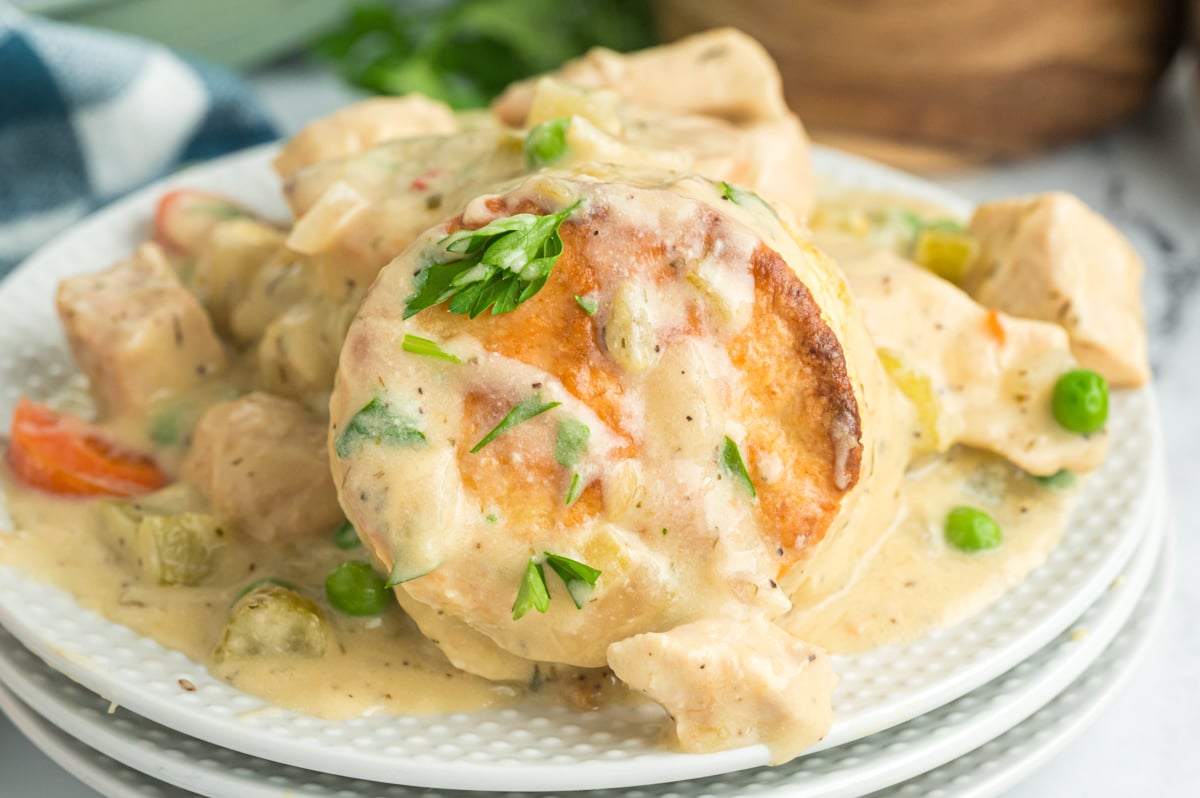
(87, 115)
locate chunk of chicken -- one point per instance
(986, 378)
(720, 74)
(361, 126)
(730, 683)
(1050, 257)
(137, 333)
(261, 461)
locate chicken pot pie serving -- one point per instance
(587, 398)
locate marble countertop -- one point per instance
(1145, 176)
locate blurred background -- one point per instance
(929, 85)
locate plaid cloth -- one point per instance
(87, 115)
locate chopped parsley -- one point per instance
(375, 422)
(400, 574)
(522, 412)
(744, 197)
(417, 345)
(532, 594)
(500, 265)
(732, 464)
(587, 303)
(571, 442)
(578, 577)
(574, 489)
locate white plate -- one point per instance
(995, 767)
(1128, 612)
(534, 748)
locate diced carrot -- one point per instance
(66, 456)
(995, 327)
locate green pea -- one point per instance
(1081, 401)
(356, 588)
(969, 529)
(546, 143)
(346, 537)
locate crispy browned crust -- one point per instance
(799, 397)
(799, 394)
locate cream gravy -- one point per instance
(911, 582)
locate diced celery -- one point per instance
(165, 548)
(919, 389)
(947, 253)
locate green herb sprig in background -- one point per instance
(465, 52)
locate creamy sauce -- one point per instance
(379, 664)
(912, 582)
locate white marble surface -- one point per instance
(1146, 177)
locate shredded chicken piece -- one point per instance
(729, 683)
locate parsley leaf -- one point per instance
(375, 422)
(499, 265)
(578, 577)
(417, 345)
(731, 464)
(571, 441)
(522, 412)
(587, 303)
(467, 51)
(532, 594)
(744, 197)
(574, 489)
(402, 572)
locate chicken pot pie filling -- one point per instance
(570, 402)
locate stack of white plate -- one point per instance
(965, 712)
